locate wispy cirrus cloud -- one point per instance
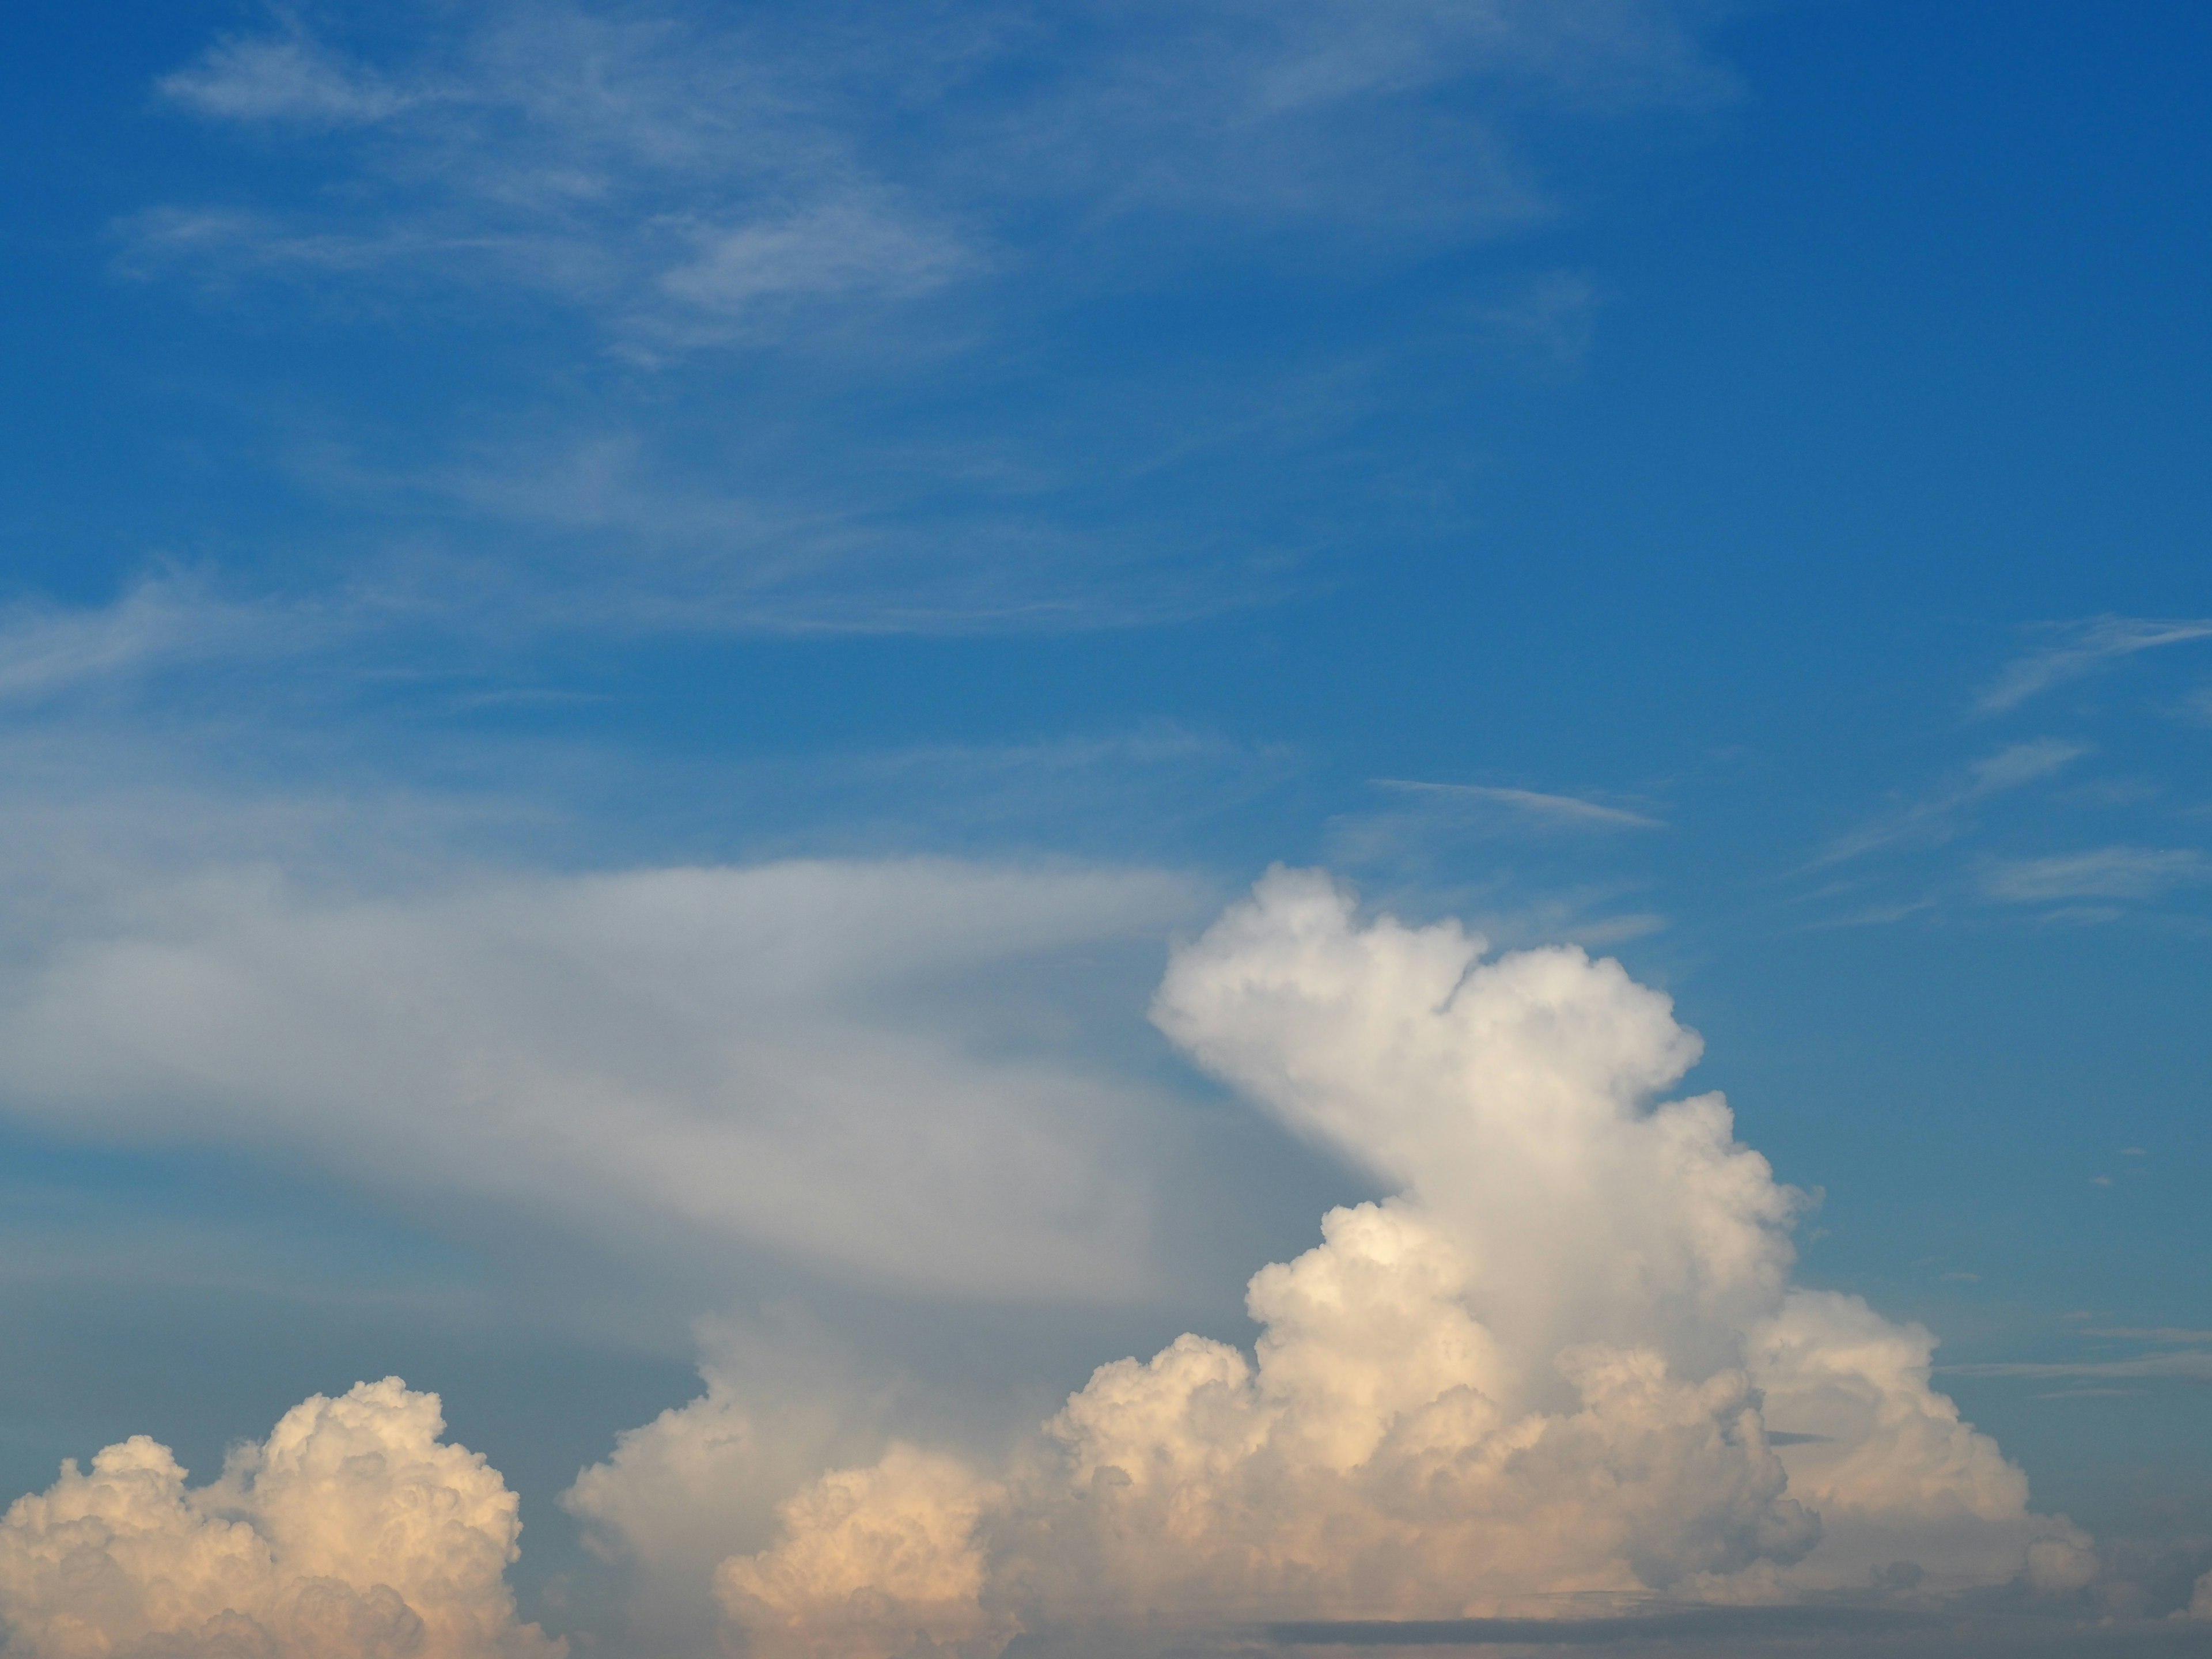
(676, 169)
(2189, 1367)
(797, 283)
(2103, 872)
(166, 620)
(2074, 649)
(1939, 817)
(1532, 806)
(287, 76)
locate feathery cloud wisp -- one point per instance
(1937, 817)
(2106, 872)
(1561, 811)
(2083, 647)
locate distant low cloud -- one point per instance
(2193, 1367)
(353, 1532)
(2079, 648)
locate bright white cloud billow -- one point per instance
(1564, 1358)
(838, 1061)
(353, 1532)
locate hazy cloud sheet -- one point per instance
(828, 1059)
(690, 176)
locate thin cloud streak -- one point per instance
(2081, 648)
(166, 620)
(2194, 1367)
(1564, 810)
(1937, 818)
(2107, 872)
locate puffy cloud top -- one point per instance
(1552, 1362)
(353, 1532)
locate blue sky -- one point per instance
(492, 487)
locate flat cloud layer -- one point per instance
(778, 1053)
(1556, 1361)
(353, 1532)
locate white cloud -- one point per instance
(353, 1532)
(2082, 647)
(838, 1061)
(1549, 1364)
(2107, 872)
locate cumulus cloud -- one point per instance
(353, 1532)
(1563, 1357)
(284, 77)
(838, 1061)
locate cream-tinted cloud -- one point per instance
(871, 1561)
(836, 1060)
(1564, 1358)
(353, 1532)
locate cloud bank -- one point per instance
(837, 1061)
(1564, 1358)
(353, 1532)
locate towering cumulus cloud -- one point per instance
(352, 1533)
(1564, 1357)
